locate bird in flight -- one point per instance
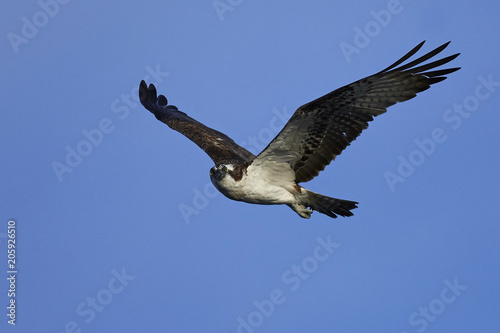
(314, 136)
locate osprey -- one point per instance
(314, 136)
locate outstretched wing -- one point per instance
(320, 130)
(221, 148)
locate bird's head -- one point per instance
(219, 172)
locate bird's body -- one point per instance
(257, 185)
(316, 133)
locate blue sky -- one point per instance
(119, 230)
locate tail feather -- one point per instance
(330, 206)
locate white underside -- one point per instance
(271, 184)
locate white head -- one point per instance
(219, 172)
(222, 178)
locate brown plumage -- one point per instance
(221, 148)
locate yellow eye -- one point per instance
(225, 169)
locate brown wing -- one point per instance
(320, 130)
(221, 148)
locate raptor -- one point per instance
(314, 136)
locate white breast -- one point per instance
(267, 184)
